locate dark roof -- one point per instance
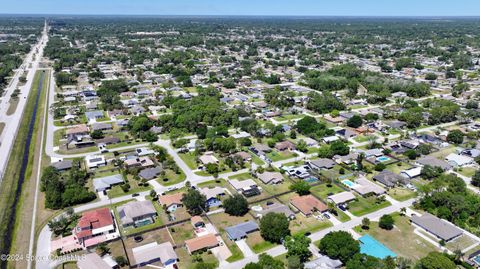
(62, 165)
(388, 178)
(150, 173)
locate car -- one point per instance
(138, 238)
(326, 215)
(135, 194)
(269, 203)
(342, 207)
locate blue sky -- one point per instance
(246, 7)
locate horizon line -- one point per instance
(242, 15)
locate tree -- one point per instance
(365, 223)
(386, 222)
(339, 245)
(236, 205)
(97, 134)
(355, 121)
(411, 154)
(265, 261)
(364, 261)
(455, 136)
(153, 194)
(294, 262)
(435, 260)
(195, 202)
(339, 148)
(301, 187)
(103, 249)
(274, 227)
(121, 261)
(302, 145)
(297, 245)
(476, 179)
(380, 167)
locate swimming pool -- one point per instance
(383, 159)
(370, 246)
(311, 179)
(477, 259)
(348, 183)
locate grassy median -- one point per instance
(10, 183)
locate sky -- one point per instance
(245, 7)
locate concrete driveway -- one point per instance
(242, 245)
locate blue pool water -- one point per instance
(477, 259)
(348, 183)
(383, 159)
(370, 246)
(311, 179)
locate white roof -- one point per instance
(242, 185)
(459, 160)
(342, 197)
(152, 251)
(412, 172)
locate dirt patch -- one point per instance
(13, 106)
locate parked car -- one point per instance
(326, 215)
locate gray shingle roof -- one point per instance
(440, 228)
(241, 230)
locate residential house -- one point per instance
(213, 195)
(322, 163)
(434, 162)
(95, 161)
(389, 179)
(208, 158)
(94, 261)
(456, 160)
(442, 229)
(323, 262)
(95, 227)
(308, 204)
(106, 183)
(150, 173)
(101, 126)
(247, 187)
(137, 213)
(171, 201)
(62, 165)
(270, 177)
(138, 162)
(285, 145)
(240, 231)
(341, 198)
(154, 252)
(365, 187)
(277, 208)
(94, 115)
(200, 243)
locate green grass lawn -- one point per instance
(302, 224)
(401, 239)
(117, 191)
(171, 178)
(467, 171)
(258, 244)
(401, 194)
(362, 206)
(189, 159)
(280, 156)
(323, 190)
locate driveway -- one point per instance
(242, 245)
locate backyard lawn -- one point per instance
(323, 190)
(401, 194)
(302, 224)
(401, 239)
(276, 156)
(362, 206)
(258, 244)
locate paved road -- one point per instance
(12, 122)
